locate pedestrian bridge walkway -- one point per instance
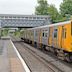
(12, 20)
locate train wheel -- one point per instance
(67, 57)
(71, 58)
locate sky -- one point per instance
(26, 7)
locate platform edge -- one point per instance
(21, 59)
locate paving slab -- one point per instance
(9, 61)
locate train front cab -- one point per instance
(65, 40)
(60, 41)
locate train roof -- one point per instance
(55, 24)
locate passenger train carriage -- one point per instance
(54, 37)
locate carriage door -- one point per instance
(63, 37)
(50, 36)
(55, 37)
(40, 36)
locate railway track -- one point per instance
(49, 64)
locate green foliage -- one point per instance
(55, 15)
(53, 12)
(42, 8)
(65, 13)
(66, 7)
(4, 32)
(17, 33)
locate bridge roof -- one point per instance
(24, 15)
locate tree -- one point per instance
(53, 12)
(42, 8)
(66, 7)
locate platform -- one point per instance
(9, 58)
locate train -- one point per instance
(56, 38)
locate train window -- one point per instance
(55, 33)
(43, 34)
(36, 33)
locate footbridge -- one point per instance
(13, 20)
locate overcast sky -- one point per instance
(22, 6)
